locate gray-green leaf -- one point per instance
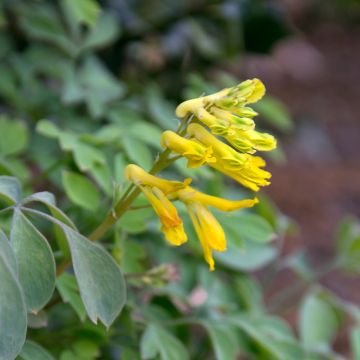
(35, 262)
(12, 313)
(101, 283)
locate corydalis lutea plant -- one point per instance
(225, 114)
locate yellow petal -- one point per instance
(189, 195)
(172, 225)
(139, 177)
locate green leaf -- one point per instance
(161, 111)
(348, 244)
(104, 32)
(48, 129)
(250, 294)
(318, 322)
(7, 252)
(138, 152)
(12, 313)
(355, 342)
(272, 342)
(81, 191)
(84, 11)
(102, 176)
(48, 199)
(158, 341)
(248, 227)
(43, 23)
(253, 257)
(32, 351)
(99, 86)
(101, 283)
(14, 136)
(275, 113)
(224, 340)
(10, 190)
(35, 262)
(69, 291)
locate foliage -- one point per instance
(84, 91)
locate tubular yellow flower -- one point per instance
(226, 115)
(250, 141)
(139, 176)
(196, 153)
(172, 226)
(243, 168)
(155, 190)
(210, 233)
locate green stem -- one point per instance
(133, 192)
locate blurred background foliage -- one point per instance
(87, 87)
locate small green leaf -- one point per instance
(138, 152)
(158, 341)
(81, 191)
(101, 283)
(10, 190)
(84, 11)
(12, 313)
(14, 136)
(32, 351)
(253, 257)
(275, 113)
(318, 322)
(69, 291)
(105, 31)
(249, 227)
(48, 129)
(35, 262)
(224, 340)
(355, 342)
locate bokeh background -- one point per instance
(160, 52)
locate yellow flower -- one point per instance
(243, 168)
(196, 153)
(155, 189)
(225, 114)
(247, 92)
(250, 141)
(210, 233)
(138, 176)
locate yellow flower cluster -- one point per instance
(226, 114)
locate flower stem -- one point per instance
(133, 192)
